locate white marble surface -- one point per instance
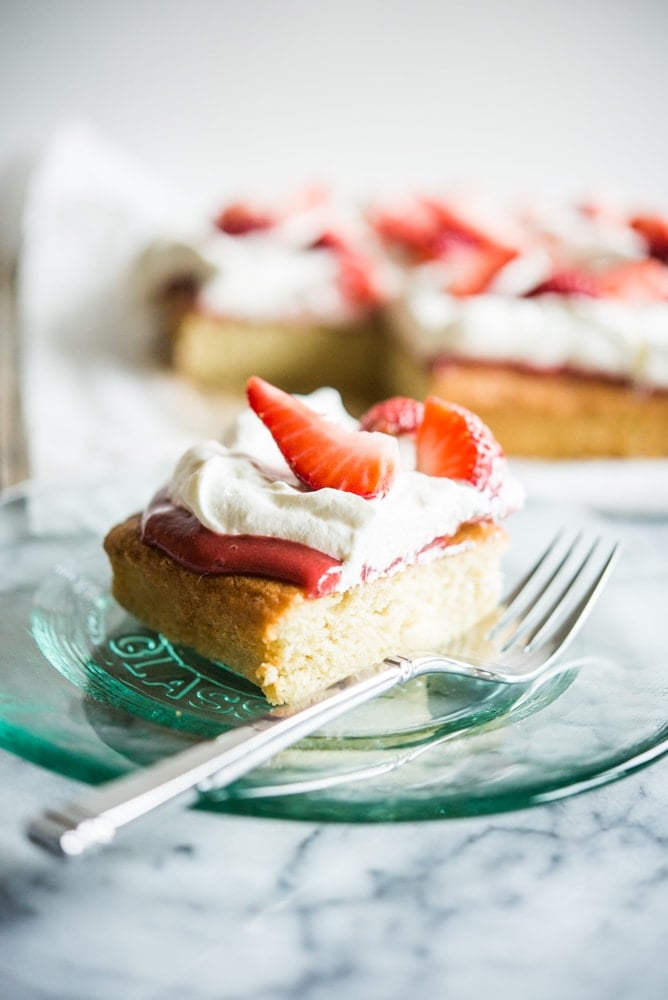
(568, 900)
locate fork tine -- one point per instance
(556, 610)
(525, 590)
(566, 627)
(519, 587)
(555, 589)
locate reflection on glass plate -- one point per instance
(90, 692)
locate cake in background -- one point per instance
(290, 291)
(307, 546)
(550, 322)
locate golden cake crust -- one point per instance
(209, 613)
(222, 353)
(546, 415)
(560, 415)
(292, 646)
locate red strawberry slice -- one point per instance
(320, 452)
(240, 218)
(473, 256)
(397, 415)
(636, 280)
(331, 239)
(472, 268)
(654, 228)
(568, 282)
(413, 228)
(359, 280)
(454, 442)
(429, 230)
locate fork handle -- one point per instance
(93, 819)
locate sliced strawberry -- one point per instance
(320, 452)
(358, 277)
(654, 229)
(636, 280)
(568, 282)
(331, 239)
(472, 268)
(359, 280)
(429, 230)
(413, 228)
(397, 415)
(473, 256)
(454, 443)
(241, 218)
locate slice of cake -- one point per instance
(552, 324)
(307, 545)
(291, 292)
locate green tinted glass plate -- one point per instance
(88, 691)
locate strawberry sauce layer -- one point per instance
(178, 533)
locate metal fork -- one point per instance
(541, 616)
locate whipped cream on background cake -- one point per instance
(261, 278)
(244, 486)
(626, 340)
(311, 260)
(618, 328)
(331, 261)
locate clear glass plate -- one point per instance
(88, 691)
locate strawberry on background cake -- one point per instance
(548, 319)
(307, 545)
(290, 290)
(551, 323)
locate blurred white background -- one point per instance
(224, 96)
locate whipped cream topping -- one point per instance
(287, 271)
(262, 277)
(626, 340)
(619, 337)
(576, 238)
(243, 485)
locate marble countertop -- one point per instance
(564, 900)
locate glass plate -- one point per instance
(87, 691)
